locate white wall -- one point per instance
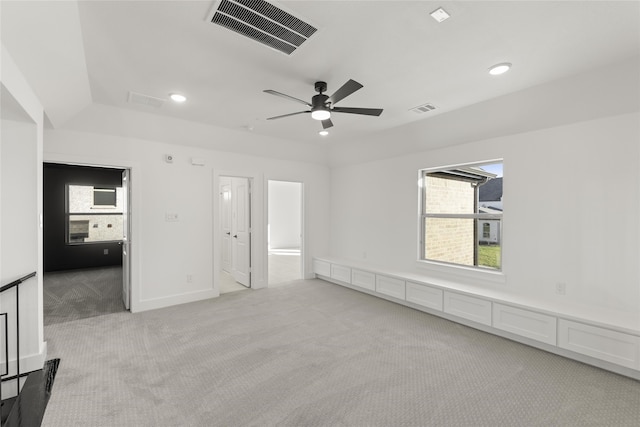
(20, 208)
(571, 215)
(284, 214)
(164, 253)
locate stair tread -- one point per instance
(28, 408)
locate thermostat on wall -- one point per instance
(168, 158)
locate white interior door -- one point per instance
(126, 240)
(241, 230)
(225, 222)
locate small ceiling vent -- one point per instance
(424, 108)
(263, 22)
(141, 99)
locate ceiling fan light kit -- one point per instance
(320, 114)
(322, 106)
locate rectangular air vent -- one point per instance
(141, 99)
(263, 22)
(424, 108)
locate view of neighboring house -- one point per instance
(490, 202)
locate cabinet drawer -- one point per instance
(470, 308)
(525, 323)
(364, 279)
(612, 346)
(340, 272)
(424, 295)
(390, 286)
(321, 268)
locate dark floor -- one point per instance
(28, 408)
(79, 294)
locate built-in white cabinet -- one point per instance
(612, 346)
(390, 286)
(363, 279)
(340, 272)
(424, 295)
(322, 268)
(470, 308)
(535, 326)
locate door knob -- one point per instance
(228, 233)
(235, 236)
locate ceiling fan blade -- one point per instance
(365, 111)
(276, 93)
(287, 115)
(347, 89)
(326, 124)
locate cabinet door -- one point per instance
(424, 295)
(321, 268)
(390, 286)
(340, 272)
(604, 344)
(363, 279)
(526, 323)
(470, 308)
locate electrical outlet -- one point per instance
(189, 278)
(561, 288)
(106, 252)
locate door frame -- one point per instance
(134, 209)
(258, 228)
(302, 222)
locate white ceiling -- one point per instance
(394, 48)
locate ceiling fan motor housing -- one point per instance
(319, 102)
(321, 87)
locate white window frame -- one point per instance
(456, 270)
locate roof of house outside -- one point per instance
(491, 191)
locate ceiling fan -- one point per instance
(322, 106)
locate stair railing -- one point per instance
(15, 284)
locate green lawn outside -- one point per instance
(489, 256)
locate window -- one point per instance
(104, 197)
(461, 215)
(486, 230)
(94, 214)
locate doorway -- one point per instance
(284, 231)
(235, 224)
(86, 236)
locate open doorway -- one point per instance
(235, 224)
(85, 241)
(284, 231)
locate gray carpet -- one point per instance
(316, 354)
(79, 294)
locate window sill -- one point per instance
(461, 272)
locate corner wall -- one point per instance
(572, 214)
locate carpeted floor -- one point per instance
(316, 354)
(78, 294)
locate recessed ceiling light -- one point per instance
(323, 132)
(176, 97)
(440, 14)
(498, 69)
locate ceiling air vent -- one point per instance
(263, 22)
(424, 108)
(141, 99)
